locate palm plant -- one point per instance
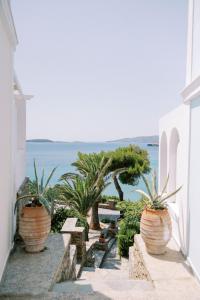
(156, 200)
(39, 192)
(83, 191)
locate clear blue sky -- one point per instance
(99, 69)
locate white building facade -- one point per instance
(12, 132)
(179, 155)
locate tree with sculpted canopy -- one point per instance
(128, 163)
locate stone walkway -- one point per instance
(109, 282)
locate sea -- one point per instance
(62, 154)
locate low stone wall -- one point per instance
(137, 269)
(77, 237)
(110, 204)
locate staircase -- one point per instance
(111, 281)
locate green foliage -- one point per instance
(157, 200)
(105, 198)
(134, 159)
(105, 220)
(130, 224)
(39, 191)
(61, 214)
(79, 193)
(127, 164)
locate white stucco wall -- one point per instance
(6, 164)
(194, 188)
(196, 40)
(20, 144)
(177, 121)
(12, 134)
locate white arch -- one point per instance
(163, 159)
(173, 149)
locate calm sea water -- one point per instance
(49, 155)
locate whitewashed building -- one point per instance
(179, 133)
(12, 132)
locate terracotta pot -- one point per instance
(34, 227)
(156, 230)
(102, 240)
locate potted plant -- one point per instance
(102, 238)
(155, 224)
(35, 213)
(112, 224)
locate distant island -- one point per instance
(40, 141)
(152, 139)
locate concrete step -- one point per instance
(99, 255)
(78, 269)
(116, 284)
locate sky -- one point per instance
(99, 69)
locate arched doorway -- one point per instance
(173, 161)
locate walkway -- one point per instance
(109, 282)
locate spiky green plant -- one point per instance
(39, 191)
(82, 191)
(156, 200)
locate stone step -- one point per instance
(99, 255)
(78, 269)
(108, 287)
(72, 262)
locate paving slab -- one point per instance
(170, 273)
(29, 274)
(168, 266)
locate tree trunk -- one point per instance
(94, 222)
(118, 188)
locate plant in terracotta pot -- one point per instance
(155, 224)
(113, 224)
(35, 213)
(102, 238)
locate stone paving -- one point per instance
(108, 282)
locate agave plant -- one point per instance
(39, 191)
(156, 200)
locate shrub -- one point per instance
(61, 214)
(130, 224)
(105, 220)
(105, 198)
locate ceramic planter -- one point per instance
(34, 227)
(156, 230)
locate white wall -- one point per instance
(177, 121)
(196, 40)
(12, 134)
(194, 187)
(6, 164)
(193, 42)
(20, 135)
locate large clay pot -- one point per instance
(156, 230)
(34, 227)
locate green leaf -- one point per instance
(49, 178)
(143, 194)
(45, 203)
(36, 177)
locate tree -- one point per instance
(82, 191)
(133, 160)
(94, 166)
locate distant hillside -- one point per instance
(40, 141)
(154, 139)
